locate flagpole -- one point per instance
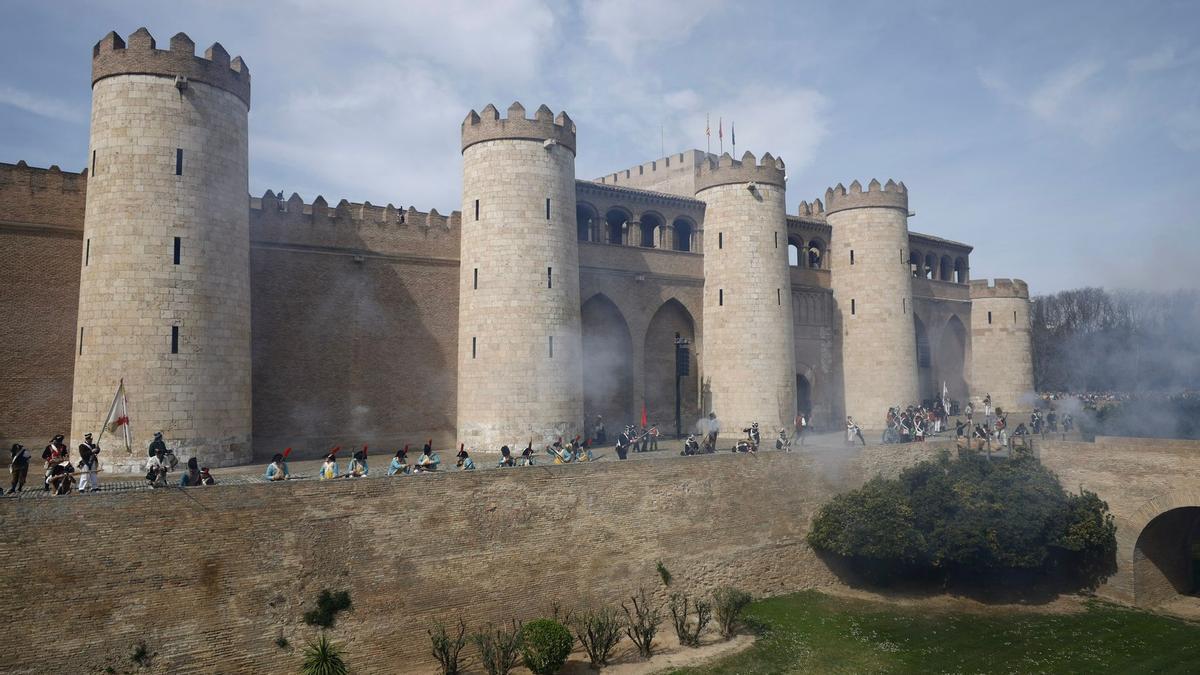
(708, 131)
(733, 137)
(721, 133)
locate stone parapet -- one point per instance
(999, 288)
(138, 56)
(893, 195)
(729, 171)
(488, 125)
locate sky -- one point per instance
(1061, 139)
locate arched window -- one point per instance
(960, 271)
(683, 234)
(947, 269)
(914, 263)
(930, 270)
(651, 226)
(795, 252)
(618, 223)
(585, 221)
(816, 254)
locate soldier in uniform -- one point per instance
(89, 464)
(623, 442)
(54, 453)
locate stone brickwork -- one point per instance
(519, 349)
(237, 566)
(170, 164)
(749, 344)
(870, 277)
(1001, 343)
(41, 233)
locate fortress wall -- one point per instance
(348, 352)
(234, 567)
(41, 241)
(817, 355)
(359, 227)
(674, 174)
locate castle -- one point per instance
(242, 325)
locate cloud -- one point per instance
(41, 105)
(1164, 57)
(628, 27)
(1077, 98)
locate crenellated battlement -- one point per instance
(488, 125)
(893, 195)
(999, 288)
(353, 225)
(726, 170)
(139, 55)
(52, 179)
(813, 211)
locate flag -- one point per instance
(643, 415)
(118, 418)
(945, 392)
(707, 126)
(732, 134)
(720, 128)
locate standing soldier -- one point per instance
(623, 442)
(19, 467)
(89, 464)
(653, 438)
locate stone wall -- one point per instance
(1002, 343)
(41, 242)
(210, 577)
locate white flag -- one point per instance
(118, 418)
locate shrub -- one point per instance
(447, 650)
(328, 605)
(599, 631)
(546, 643)
(282, 642)
(729, 604)
(141, 655)
(688, 632)
(965, 516)
(663, 573)
(323, 658)
(499, 648)
(641, 623)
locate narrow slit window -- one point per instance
(551, 346)
(720, 240)
(776, 240)
(178, 161)
(989, 317)
(549, 277)
(87, 252)
(851, 256)
(547, 208)
(475, 279)
(472, 347)
(81, 340)
(853, 309)
(476, 209)
(720, 297)
(779, 297)
(174, 339)
(1014, 316)
(93, 162)
(904, 305)
(178, 246)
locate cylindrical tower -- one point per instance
(748, 341)
(871, 283)
(164, 294)
(519, 372)
(1001, 343)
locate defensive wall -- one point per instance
(209, 578)
(354, 313)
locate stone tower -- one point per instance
(748, 346)
(164, 298)
(1001, 343)
(519, 372)
(872, 286)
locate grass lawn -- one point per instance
(812, 632)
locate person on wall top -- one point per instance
(329, 470)
(465, 462)
(19, 467)
(357, 468)
(89, 465)
(429, 460)
(399, 463)
(277, 469)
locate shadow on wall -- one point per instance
(352, 347)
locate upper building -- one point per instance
(242, 325)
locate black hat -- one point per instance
(505, 451)
(277, 458)
(88, 435)
(461, 453)
(158, 434)
(58, 437)
(360, 455)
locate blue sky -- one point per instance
(1061, 139)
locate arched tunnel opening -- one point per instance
(1166, 559)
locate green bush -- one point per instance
(729, 603)
(328, 605)
(447, 648)
(965, 516)
(642, 622)
(598, 630)
(546, 643)
(687, 631)
(323, 658)
(499, 648)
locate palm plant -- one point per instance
(323, 658)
